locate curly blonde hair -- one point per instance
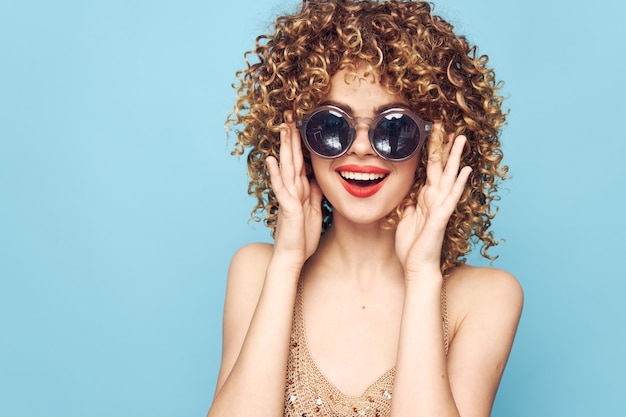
(415, 54)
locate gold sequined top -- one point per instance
(308, 393)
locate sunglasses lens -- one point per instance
(396, 136)
(328, 133)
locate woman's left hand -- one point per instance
(420, 232)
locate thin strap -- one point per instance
(444, 315)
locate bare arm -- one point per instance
(262, 283)
(487, 306)
(427, 382)
(257, 325)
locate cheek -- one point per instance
(407, 173)
(316, 165)
(321, 170)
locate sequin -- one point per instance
(310, 394)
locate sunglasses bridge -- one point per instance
(329, 144)
(367, 121)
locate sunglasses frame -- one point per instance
(424, 127)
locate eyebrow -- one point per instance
(348, 109)
(377, 110)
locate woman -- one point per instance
(364, 305)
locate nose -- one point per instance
(361, 145)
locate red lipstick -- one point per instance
(362, 180)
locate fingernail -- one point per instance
(288, 116)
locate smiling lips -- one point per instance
(362, 181)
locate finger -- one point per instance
(286, 155)
(459, 184)
(315, 195)
(451, 169)
(275, 175)
(434, 166)
(296, 145)
(447, 147)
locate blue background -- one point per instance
(120, 205)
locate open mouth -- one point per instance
(362, 179)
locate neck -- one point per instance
(364, 253)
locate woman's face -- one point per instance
(360, 185)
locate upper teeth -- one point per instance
(360, 176)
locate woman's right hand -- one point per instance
(299, 223)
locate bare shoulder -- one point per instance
(474, 285)
(246, 276)
(252, 256)
(484, 294)
(484, 308)
(247, 271)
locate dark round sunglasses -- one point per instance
(395, 134)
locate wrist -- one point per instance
(424, 273)
(285, 264)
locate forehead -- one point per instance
(360, 94)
